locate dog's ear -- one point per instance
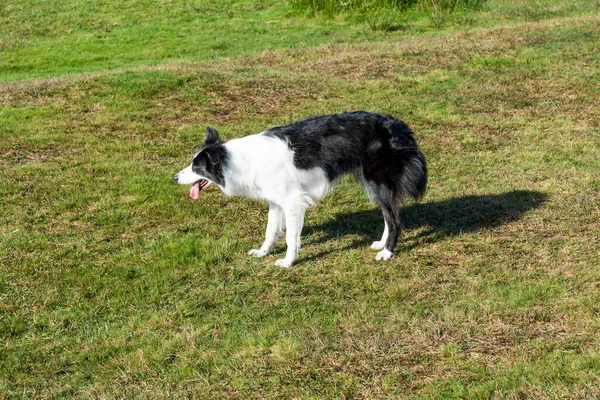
(212, 137)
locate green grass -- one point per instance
(387, 15)
(114, 284)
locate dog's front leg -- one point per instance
(294, 219)
(275, 226)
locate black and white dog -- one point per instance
(295, 165)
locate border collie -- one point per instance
(293, 166)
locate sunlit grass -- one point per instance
(113, 283)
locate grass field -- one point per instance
(114, 284)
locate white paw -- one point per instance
(378, 245)
(283, 263)
(257, 253)
(384, 254)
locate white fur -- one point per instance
(384, 254)
(381, 244)
(262, 167)
(186, 176)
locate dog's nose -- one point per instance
(176, 177)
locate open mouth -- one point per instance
(197, 187)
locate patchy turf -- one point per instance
(113, 283)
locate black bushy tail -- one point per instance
(413, 178)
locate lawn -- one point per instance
(115, 284)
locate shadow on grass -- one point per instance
(440, 219)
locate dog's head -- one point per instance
(206, 166)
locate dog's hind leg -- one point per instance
(393, 224)
(380, 244)
(275, 225)
(390, 208)
(294, 220)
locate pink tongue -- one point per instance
(195, 191)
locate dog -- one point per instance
(292, 166)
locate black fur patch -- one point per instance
(212, 158)
(379, 149)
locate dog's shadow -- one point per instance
(438, 220)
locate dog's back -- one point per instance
(380, 150)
